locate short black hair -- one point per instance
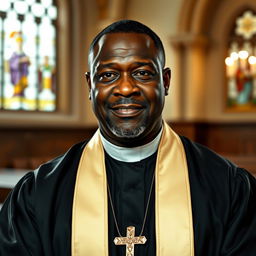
(130, 26)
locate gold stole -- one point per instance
(174, 227)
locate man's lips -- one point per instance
(127, 110)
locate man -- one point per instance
(136, 188)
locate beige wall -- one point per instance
(200, 42)
(193, 33)
(215, 89)
(162, 16)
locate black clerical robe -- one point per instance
(37, 215)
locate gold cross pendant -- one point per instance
(130, 240)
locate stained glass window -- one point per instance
(241, 64)
(28, 55)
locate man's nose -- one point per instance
(126, 86)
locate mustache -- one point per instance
(126, 101)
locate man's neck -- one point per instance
(134, 154)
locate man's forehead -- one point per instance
(126, 40)
(123, 45)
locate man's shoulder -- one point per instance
(66, 162)
(208, 167)
(207, 160)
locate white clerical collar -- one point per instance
(131, 154)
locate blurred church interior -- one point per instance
(44, 107)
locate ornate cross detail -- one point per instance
(130, 240)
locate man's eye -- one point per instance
(107, 76)
(143, 74)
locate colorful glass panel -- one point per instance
(241, 64)
(28, 55)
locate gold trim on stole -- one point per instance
(90, 205)
(174, 227)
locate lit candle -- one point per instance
(243, 55)
(229, 66)
(252, 62)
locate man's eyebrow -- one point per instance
(113, 64)
(137, 63)
(107, 65)
(141, 63)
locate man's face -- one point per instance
(127, 87)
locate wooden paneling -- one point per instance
(27, 147)
(225, 138)
(235, 141)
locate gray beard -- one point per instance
(127, 133)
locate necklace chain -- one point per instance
(146, 211)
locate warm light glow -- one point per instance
(229, 61)
(243, 54)
(234, 55)
(252, 60)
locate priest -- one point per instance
(135, 188)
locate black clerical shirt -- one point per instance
(36, 218)
(130, 187)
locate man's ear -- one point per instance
(166, 80)
(88, 79)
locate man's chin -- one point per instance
(127, 133)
